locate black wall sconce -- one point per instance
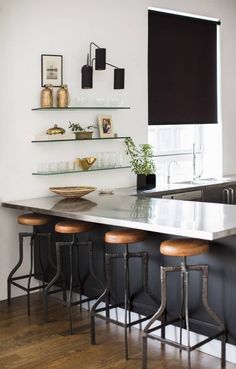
(100, 64)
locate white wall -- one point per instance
(29, 28)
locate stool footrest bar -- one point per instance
(184, 347)
(116, 322)
(84, 300)
(27, 289)
(25, 276)
(163, 325)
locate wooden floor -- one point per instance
(27, 343)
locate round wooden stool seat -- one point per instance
(73, 226)
(34, 219)
(125, 236)
(184, 247)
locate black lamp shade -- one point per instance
(100, 59)
(87, 76)
(119, 78)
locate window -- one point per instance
(182, 69)
(168, 103)
(173, 149)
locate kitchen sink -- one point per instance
(203, 181)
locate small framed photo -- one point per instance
(51, 70)
(105, 126)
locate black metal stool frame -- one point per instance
(12, 280)
(184, 313)
(75, 243)
(127, 300)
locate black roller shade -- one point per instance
(182, 69)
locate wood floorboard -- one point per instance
(27, 343)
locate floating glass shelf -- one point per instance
(86, 108)
(76, 171)
(84, 139)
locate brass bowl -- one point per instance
(85, 163)
(72, 192)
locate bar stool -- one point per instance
(74, 228)
(121, 237)
(184, 248)
(34, 220)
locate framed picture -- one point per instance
(51, 70)
(105, 126)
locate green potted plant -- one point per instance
(142, 164)
(81, 133)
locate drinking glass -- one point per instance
(105, 160)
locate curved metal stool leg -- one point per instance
(71, 285)
(99, 300)
(31, 271)
(20, 261)
(53, 281)
(91, 269)
(158, 314)
(212, 314)
(186, 293)
(181, 309)
(127, 299)
(147, 289)
(38, 235)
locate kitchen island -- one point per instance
(164, 219)
(179, 218)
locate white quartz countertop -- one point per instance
(180, 218)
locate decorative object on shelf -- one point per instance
(55, 130)
(100, 64)
(142, 164)
(81, 133)
(73, 191)
(106, 191)
(105, 126)
(63, 97)
(55, 167)
(108, 159)
(51, 70)
(46, 97)
(85, 163)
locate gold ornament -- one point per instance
(55, 130)
(46, 98)
(63, 98)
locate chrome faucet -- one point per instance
(169, 168)
(194, 161)
(195, 175)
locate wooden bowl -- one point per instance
(72, 192)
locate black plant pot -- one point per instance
(146, 182)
